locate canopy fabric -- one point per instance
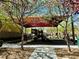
(36, 21)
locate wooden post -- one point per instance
(73, 34)
(57, 33)
(72, 23)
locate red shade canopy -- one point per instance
(41, 22)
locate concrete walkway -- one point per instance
(35, 46)
(43, 53)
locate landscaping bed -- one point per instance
(15, 53)
(63, 53)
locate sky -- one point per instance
(76, 19)
(43, 10)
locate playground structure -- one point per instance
(71, 5)
(55, 20)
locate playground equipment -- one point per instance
(70, 5)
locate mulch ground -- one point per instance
(15, 53)
(18, 53)
(63, 53)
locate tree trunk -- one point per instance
(73, 34)
(22, 38)
(67, 37)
